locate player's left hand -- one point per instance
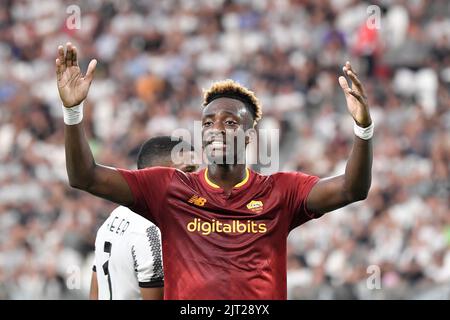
(356, 97)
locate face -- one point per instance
(224, 122)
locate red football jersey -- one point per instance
(218, 246)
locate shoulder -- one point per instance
(119, 211)
(290, 176)
(116, 213)
(187, 176)
(292, 180)
(256, 177)
(155, 173)
(278, 177)
(159, 171)
(137, 223)
(140, 226)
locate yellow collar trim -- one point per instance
(247, 175)
(240, 184)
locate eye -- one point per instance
(207, 123)
(230, 122)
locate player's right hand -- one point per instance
(72, 86)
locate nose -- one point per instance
(218, 127)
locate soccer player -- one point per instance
(224, 228)
(128, 246)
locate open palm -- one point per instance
(73, 87)
(356, 97)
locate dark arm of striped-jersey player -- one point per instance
(93, 291)
(84, 173)
(335, 192)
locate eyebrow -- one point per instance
(211, 114)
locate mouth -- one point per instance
(217, 144)
(216, 141)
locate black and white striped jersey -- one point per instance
(127, 256)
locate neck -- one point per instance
(226, 176)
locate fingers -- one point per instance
(60, 60)
(358, 96)
(60, 55)
(344, 84)
(69, 54)
(59, 68)
(74, 56)
(91, 70)
(347, 69)
(69, 59)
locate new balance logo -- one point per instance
(198, 201)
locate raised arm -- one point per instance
(82, 170)
(335, 192)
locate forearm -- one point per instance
(152, 293)
(93, 292)
(80, 162)
(358, 172)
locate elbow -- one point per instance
(76, 184)
(79, 184)
(81, 180)
(362, 196)
(358, 195)
(357, 191)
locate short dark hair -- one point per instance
(156, 148)
(232, 89)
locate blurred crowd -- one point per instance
(154, 58)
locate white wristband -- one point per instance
(73, 115)
(363, 133)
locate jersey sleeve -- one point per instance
(149, 187)
(296, 187)
(147, 257)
